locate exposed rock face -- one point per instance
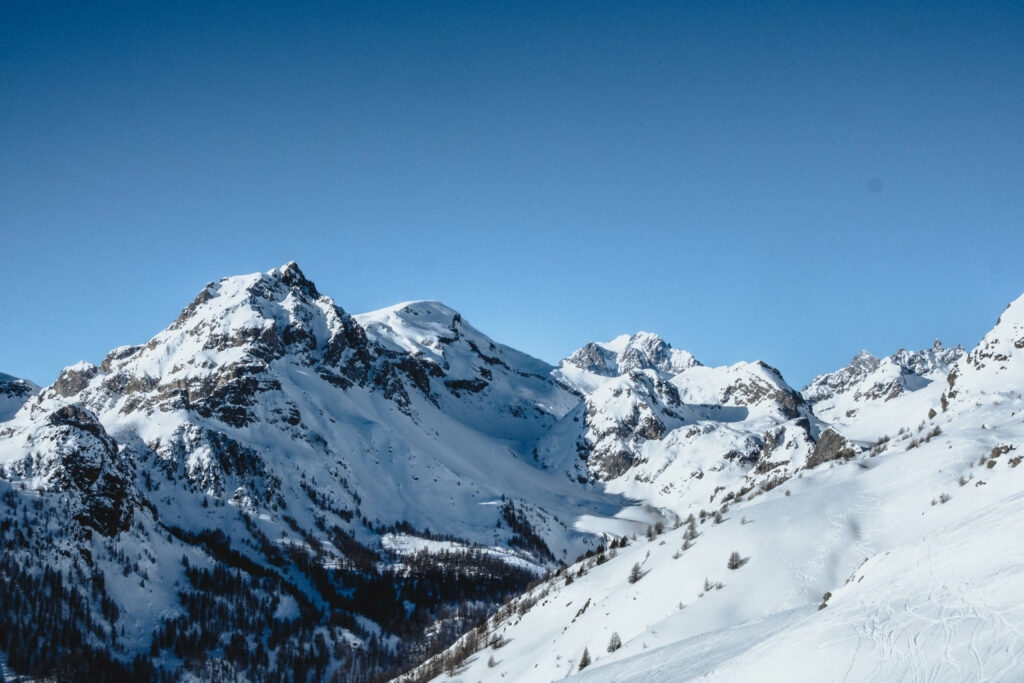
(614, 442)
(1003, 341)
(71, 452)
(621, 416)
(754, 390)
(832, 445)
(14, 393)
(646, 351)
(215, 464)
(784, 444)
(595, 359)
(12, 386)
(863, 363)
(641, 351)
(74, 379)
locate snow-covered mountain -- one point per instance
(656, 425)
(264, 391)
(382, 471)
(898, 562)
(872, 381)
(273, 486)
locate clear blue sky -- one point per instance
(792, 181)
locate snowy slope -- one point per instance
(994, 370)
(935, 595)
(913, 542)
(491, 387)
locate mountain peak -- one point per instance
(290, 274)
(648, 350)
(430, 328)
(865, 361)
(416, 326)
(248, 300)
(1014, 313)
(996, 364)
(217, 355)
(625, 353)
(420, 311)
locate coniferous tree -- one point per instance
(735, 561)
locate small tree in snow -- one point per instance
(615, 642)
(635, 574)
(735, 561)
(584, 660)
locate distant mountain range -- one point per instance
(272, 488)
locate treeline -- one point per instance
(56, 623)
(523, 534)
(257, 610)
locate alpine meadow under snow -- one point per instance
(274, 489)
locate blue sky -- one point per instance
(789, 181)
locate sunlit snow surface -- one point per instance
(915, 538)
(918, 544)
(920, 591)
